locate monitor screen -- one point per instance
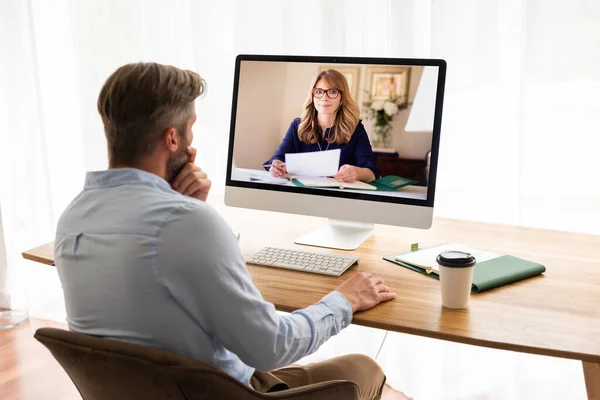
(358, 129)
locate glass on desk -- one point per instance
(13, 281)
(17, 299)
(12, 318)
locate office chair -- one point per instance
(103, 369)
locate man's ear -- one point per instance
(171, 139)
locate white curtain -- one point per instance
(519, 140)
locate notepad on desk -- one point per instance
(492, 270)
(265, 177)
(324, 182)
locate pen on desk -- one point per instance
(286, 176)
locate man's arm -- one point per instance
(200, 264)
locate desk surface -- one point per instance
(556, 314)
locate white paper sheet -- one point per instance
(316, 163)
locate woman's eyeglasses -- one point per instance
(331, 93)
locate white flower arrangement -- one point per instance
(377, 105)
(382, 113)
(390, 108)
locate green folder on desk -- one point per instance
(488, 274)
(391, 183)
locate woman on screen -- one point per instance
(330, 121)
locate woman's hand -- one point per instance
(278, 169)
(347, 173)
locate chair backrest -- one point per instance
(108, 369)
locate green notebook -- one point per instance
(392, 182)
(493, 272)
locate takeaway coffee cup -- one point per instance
(456, 275)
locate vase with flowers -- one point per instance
(381, 112)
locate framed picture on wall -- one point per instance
(352, 74)
(388, 83)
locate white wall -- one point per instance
(259, 110)
(298, 79)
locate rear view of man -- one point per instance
(143, 259)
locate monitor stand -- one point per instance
(338, 234)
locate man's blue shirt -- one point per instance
(144, 264)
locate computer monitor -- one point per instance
(381, 116)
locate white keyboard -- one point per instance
(317, 263)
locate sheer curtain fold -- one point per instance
(518, 142)
(27, 197)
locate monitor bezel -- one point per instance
(428, 202)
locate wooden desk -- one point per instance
(557, 314)
(408, 192)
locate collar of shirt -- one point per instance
(124, 176)
(323, 137)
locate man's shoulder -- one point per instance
(197, 230)
(196, 214)
(192, 208)
(142, 211)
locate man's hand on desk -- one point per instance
(192, 181)
(365, 291)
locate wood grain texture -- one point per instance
(27, 369)
(591, 372)
(557, 314)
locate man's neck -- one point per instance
(153, 168)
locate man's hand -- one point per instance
(192, 181)
(278, 169)
(364, 291)
(347, 173)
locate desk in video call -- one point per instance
(407, 192)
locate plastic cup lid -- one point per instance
(456, 259)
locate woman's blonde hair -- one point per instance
(347, 115)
